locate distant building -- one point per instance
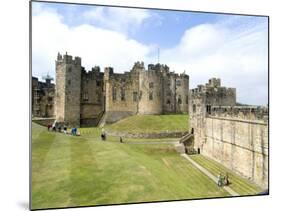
(43, 97)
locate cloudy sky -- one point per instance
(203, 45)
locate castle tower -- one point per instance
(151, 90)
(68, 89)
(201, 100)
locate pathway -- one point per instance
(211, 176)
(151, 142)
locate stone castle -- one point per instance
(234, 135)
(84, 98)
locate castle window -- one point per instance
(150, 95)
(85, 96)
(179, 100)
(69, 82)
(168, 102)
(178, 82)
(135, 96)
(69, 69)
(98, 83)
(98, 97)
(151, 85)
(122, 94)
(186, 99)
(114, 94)
(194, 108)
(208, 109)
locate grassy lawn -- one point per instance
(81, 171)
(237, 183)
(151, 124)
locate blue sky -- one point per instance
(203, 45)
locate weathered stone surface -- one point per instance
(147, 135)
(235, 136)
(43, 98)
(83, 97)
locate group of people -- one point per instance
(223, 180)
(58, 128)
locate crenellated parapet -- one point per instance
(240, 112)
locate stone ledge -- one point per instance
(147, 135)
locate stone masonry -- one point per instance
(235, 136)
(84, 97)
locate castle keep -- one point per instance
(235, 136)
(86, 98)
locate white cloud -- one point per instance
(124, 20)
(237, 55)
(96, 46)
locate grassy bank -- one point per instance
(151, 124)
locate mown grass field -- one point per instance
(151, 124)
(81, 171)
(237, 183)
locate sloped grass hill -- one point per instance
(151, 124)
(82, 171)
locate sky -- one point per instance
(203, 45)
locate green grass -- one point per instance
(81, 171)
(151, 124)
(237, 183)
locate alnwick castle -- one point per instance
(84, 98)
(234, 135)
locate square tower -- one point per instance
(68, 90)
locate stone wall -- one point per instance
(235, 136)
(239, 144)
(92, 97)
(147, 135)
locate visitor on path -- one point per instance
(220, 180)
(74, 131)
(59, 129)
(49, 126)
(226, 179)
(64, 129)
(103, 136)
(121, 140)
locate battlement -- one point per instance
(67, 59)
(138, 66)
(212, 88)
(158, 67)
(214, 82)
(239, 112)
(93, 73)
